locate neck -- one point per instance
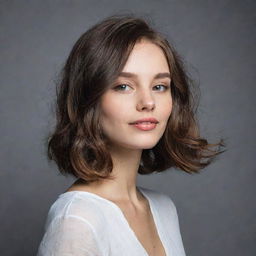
(125, 169)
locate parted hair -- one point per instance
(78, 145)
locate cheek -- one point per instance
(114, 109)
(166, 108)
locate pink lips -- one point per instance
(145, 124)
(149, 119)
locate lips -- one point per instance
(145, 126)
(146, 120)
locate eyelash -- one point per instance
(117, 88)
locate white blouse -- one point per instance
(82, 223)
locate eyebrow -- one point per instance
(157, 76)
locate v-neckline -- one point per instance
(153, 213)
(155, 220)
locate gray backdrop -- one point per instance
(217, 39)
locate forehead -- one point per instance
(146, 57)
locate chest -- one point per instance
(145, 229)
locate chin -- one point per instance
(146, 145)
(137, 143)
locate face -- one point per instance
(141, 91)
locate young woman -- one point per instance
(124, 106)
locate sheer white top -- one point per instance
(85, 224)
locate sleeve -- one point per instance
(68, 236)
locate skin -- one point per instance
(140, 97)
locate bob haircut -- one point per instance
(78, 145)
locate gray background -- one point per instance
(217, 39)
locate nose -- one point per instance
(145, 102)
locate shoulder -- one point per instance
(70, 219)
(80, 206)
(160, 199)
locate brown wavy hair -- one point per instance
(77, 144)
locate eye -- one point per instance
(121, 87)
(165, 87)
